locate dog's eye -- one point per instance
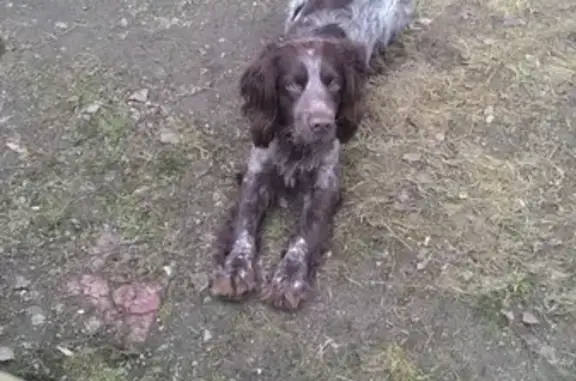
(331, 81)
(334, 85)
(293, 87)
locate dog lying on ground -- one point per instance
(302, 97)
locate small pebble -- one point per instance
(37, 316)
(61, 25)
(422, 265)
(169, 137)
(440, 136)
(59, 308)
(425, 21)
(511, 22)
(6, 354)
(508, 314)
(38, 319)
(16, 147)
(207, 335)
(21, 283)
(411, 157)
(200, 281)
(168, 270)
(92, 325)
(529, 318)
(403, 195)
(467, 275)
(139, 96)
(92, 108)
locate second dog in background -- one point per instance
(302, 98)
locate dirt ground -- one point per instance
(454, 253)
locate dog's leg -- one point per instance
(293, 278)
(236, 274)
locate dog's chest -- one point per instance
(294, 174)
(296, 169)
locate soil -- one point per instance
(121, 137)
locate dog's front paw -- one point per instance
(236, 278)
(289, 286)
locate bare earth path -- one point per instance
(120, 136)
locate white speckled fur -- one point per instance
(367, 22)
(325, 162)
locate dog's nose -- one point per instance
(321, 122)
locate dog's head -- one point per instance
(306, 91)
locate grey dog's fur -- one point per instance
(367, 22)
(289, 156)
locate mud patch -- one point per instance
(129, 310)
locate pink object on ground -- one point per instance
(131, 308)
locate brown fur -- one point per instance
(259, 87)
(302, 98)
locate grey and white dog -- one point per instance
(302, 98)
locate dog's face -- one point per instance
(305, 92)
(309, 90)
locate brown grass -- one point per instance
(394, 363)
(461, 154)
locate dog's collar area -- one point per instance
(308, 40)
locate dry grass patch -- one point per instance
(462, 159)
(394, 363)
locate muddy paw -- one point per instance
(289, 285)
(235, 279)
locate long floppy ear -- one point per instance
(259, 92)
(355, 71)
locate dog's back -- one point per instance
(367, 22)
